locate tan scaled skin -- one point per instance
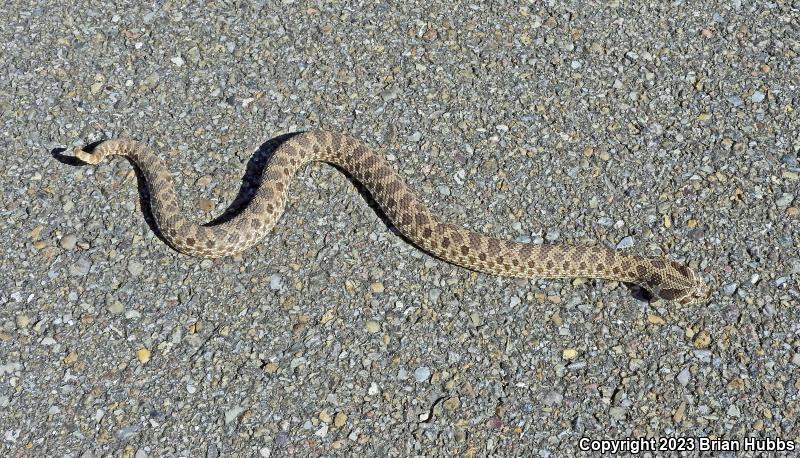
(662, 277)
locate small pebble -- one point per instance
(696, 234)
(422, 373)
(377, 287)
(71, 358)
(23, 321)
(452, 404)
(617, 413)
(735, 100)
(340, 419)
(757, 97)
(80, 268)
(143, 355)
(552, 398)
(233, 413)
(569, 354)
(494, 423)
(205, 204)
(325, 416)
(128, 432)
(702, 340)
(116, 307)
(375, 389)
(281, 439)
(785, 200)
(135, 268)
(373, 326)
(655, 319)
(684, 376)
(626, 242)
(68, 242)
(729, 289)
(703, 355)
(476, 319)
(275, 282)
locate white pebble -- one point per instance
(785, 200)
(116, 307)
(275, 282)
(373, 389)
(735, 100)
(322, 431)
(617, 413)
(683, 376)
(135, 268)
(233, 413)
(729, 289)
(68, 241)
(422, 373)
(627, 242)
(553, 398)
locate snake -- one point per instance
(662, 277)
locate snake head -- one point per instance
(698, 294)
(673, 281)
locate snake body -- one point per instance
(664, 278)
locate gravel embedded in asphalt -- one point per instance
(662, 129)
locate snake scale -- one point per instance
(664, 278)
